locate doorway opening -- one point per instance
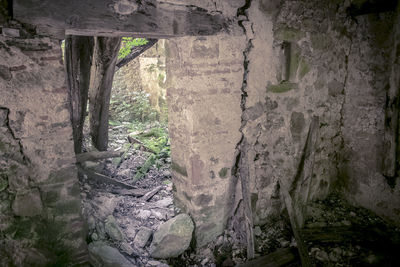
(128, 194)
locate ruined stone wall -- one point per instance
(372, 71)
(336, 74)
(204, 77)
(308, 114)
(40, 220)
(153, 74)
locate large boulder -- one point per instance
(103, 255)
(172, 238)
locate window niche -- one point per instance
(291, 69)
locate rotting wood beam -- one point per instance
(97, 155)
(371, 7)
(152, 19)
(78, 61)
(103, 67)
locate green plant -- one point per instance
(128, 43)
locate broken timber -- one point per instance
(135, 52)
(103, 67)
(151, 19)
(78, 61)
(279, 258)
(296, 199)
(97, 155)
(103, 179)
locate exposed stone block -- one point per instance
(281, 88)
(27, 203)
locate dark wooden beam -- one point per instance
(78, 62)
(102, 74)
(151, 18)
(372, 6)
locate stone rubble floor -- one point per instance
(336, 233)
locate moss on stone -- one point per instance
(288, 34)
(3, 184)
(281, 88)
(223, 173)
(304, 68)
(68, 207)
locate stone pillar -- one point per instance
(39, 192)
(204, 93)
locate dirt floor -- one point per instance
(336, 234)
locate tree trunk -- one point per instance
(78, 61)
(104, 60)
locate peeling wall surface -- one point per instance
(40, 197)
(301, 96)
(307, 111)
(204, 80)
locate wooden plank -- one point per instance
(103, 179)
(248, 214)
(303, 251)
(78, 55)
(300, 187)
(102, 74)
(151, 18)
(279, 258)
(97, 155)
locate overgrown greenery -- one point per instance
(128, 43)
(132, 106)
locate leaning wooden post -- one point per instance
(78, 61)
(104, 59)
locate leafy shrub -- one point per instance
(128, 43)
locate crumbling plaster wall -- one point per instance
(372, 70)
(339, 73)
(40, 197)
(304, 63)
(204, 77)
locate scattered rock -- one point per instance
(163, 203)
(257, 231)
(321, 255)
(157, 263)
(100, 254)
(5, 73)
(125, 247)
(142, 236)
(173, 237)
(144, 214)
(112, 229)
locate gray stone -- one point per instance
(157, 263)
(5, 73)
(173, 237)
(100, 254)
(27, 203)
(10, 32)
(125, 247)
(321, 255)
(163, 203)
(257, 231)
(3, 184)
(144, 214)
(142, 236)
(112, 229)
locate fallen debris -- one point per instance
(96, 155)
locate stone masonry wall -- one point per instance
(307, 109)
(204, 77)
(40, 221)
(321, 66)
(372, 71)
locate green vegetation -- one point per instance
(132, 106)
(128, 43)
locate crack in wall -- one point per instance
(240, 169)
(339, 152)
(7, 124)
